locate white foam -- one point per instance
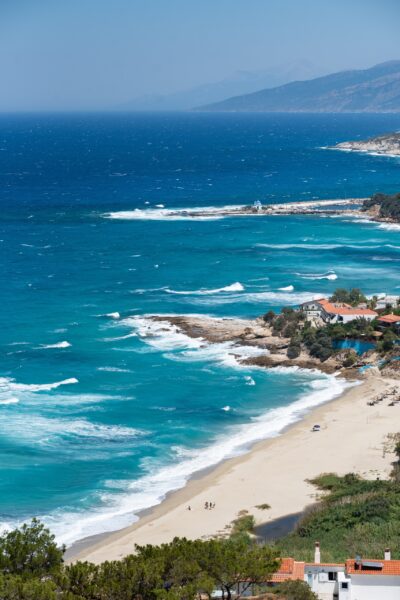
(10, 384)
(114, 370)
(266, 297)
(331, 276)
(113, 315)
(178, 214)
(169, 338)
(226, 408)
(45, 431)
(117, 510)
(233, 287)
(63, 344)
(9, 401)
(288, 288)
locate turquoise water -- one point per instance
(101, 415)
(358, 346)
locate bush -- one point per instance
(269, 316)
(293, 351)
(296, 590)
(30, 551)
(353, 296)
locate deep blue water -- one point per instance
(110, 418)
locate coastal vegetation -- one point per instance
(353, 516)
(320, 341)
(32, 568)
(384, 206)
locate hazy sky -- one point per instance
(61, 54)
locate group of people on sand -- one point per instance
(207, 506)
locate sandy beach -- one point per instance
(275, 471)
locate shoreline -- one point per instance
(328, 208)
(272, 471)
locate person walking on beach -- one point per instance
(206, 505)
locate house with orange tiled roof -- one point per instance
(355, 579)
(335, 312)
(389, 321)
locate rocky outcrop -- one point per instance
(387, 145)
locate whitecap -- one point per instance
(63, 344)
(233, 287)
(9, 401)
(266, 297)
(10, 384)
(226, 408)
(249, 380)
(114, 369)
(178, 214)
(113, 315)
(288, 288)
(331, 276)
(117, 510)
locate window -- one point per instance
(332, 576)
(345, 585)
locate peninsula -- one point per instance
(385, 145)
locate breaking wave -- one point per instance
(63, 344)
(234, 287)
(118, 510)
(331, 275)
(168, 214)
(288, 288)
(7, 384)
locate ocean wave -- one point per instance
(63, 344)
(117, 509)
(113, 315)
(53, 432)
(6, 401)
(178, 346)
(234, 287)
(10, 384)
(114, 370)
(121, 337)
(330, 275)
(300, 246)
(168, 214)
(288, 288)
(266, 297)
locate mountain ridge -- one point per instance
(376, 89)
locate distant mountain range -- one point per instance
(241, 82)
(371, 90)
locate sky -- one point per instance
(99, 54)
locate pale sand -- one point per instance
(275, 471)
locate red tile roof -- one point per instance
(324, 564)
(389, 319)
(389, 567)
(289, 569)
(344, 309)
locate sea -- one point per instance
(103, 412)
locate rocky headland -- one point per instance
(386, 145)
(255, 333)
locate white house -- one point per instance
(335, 312)
(356, 579)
